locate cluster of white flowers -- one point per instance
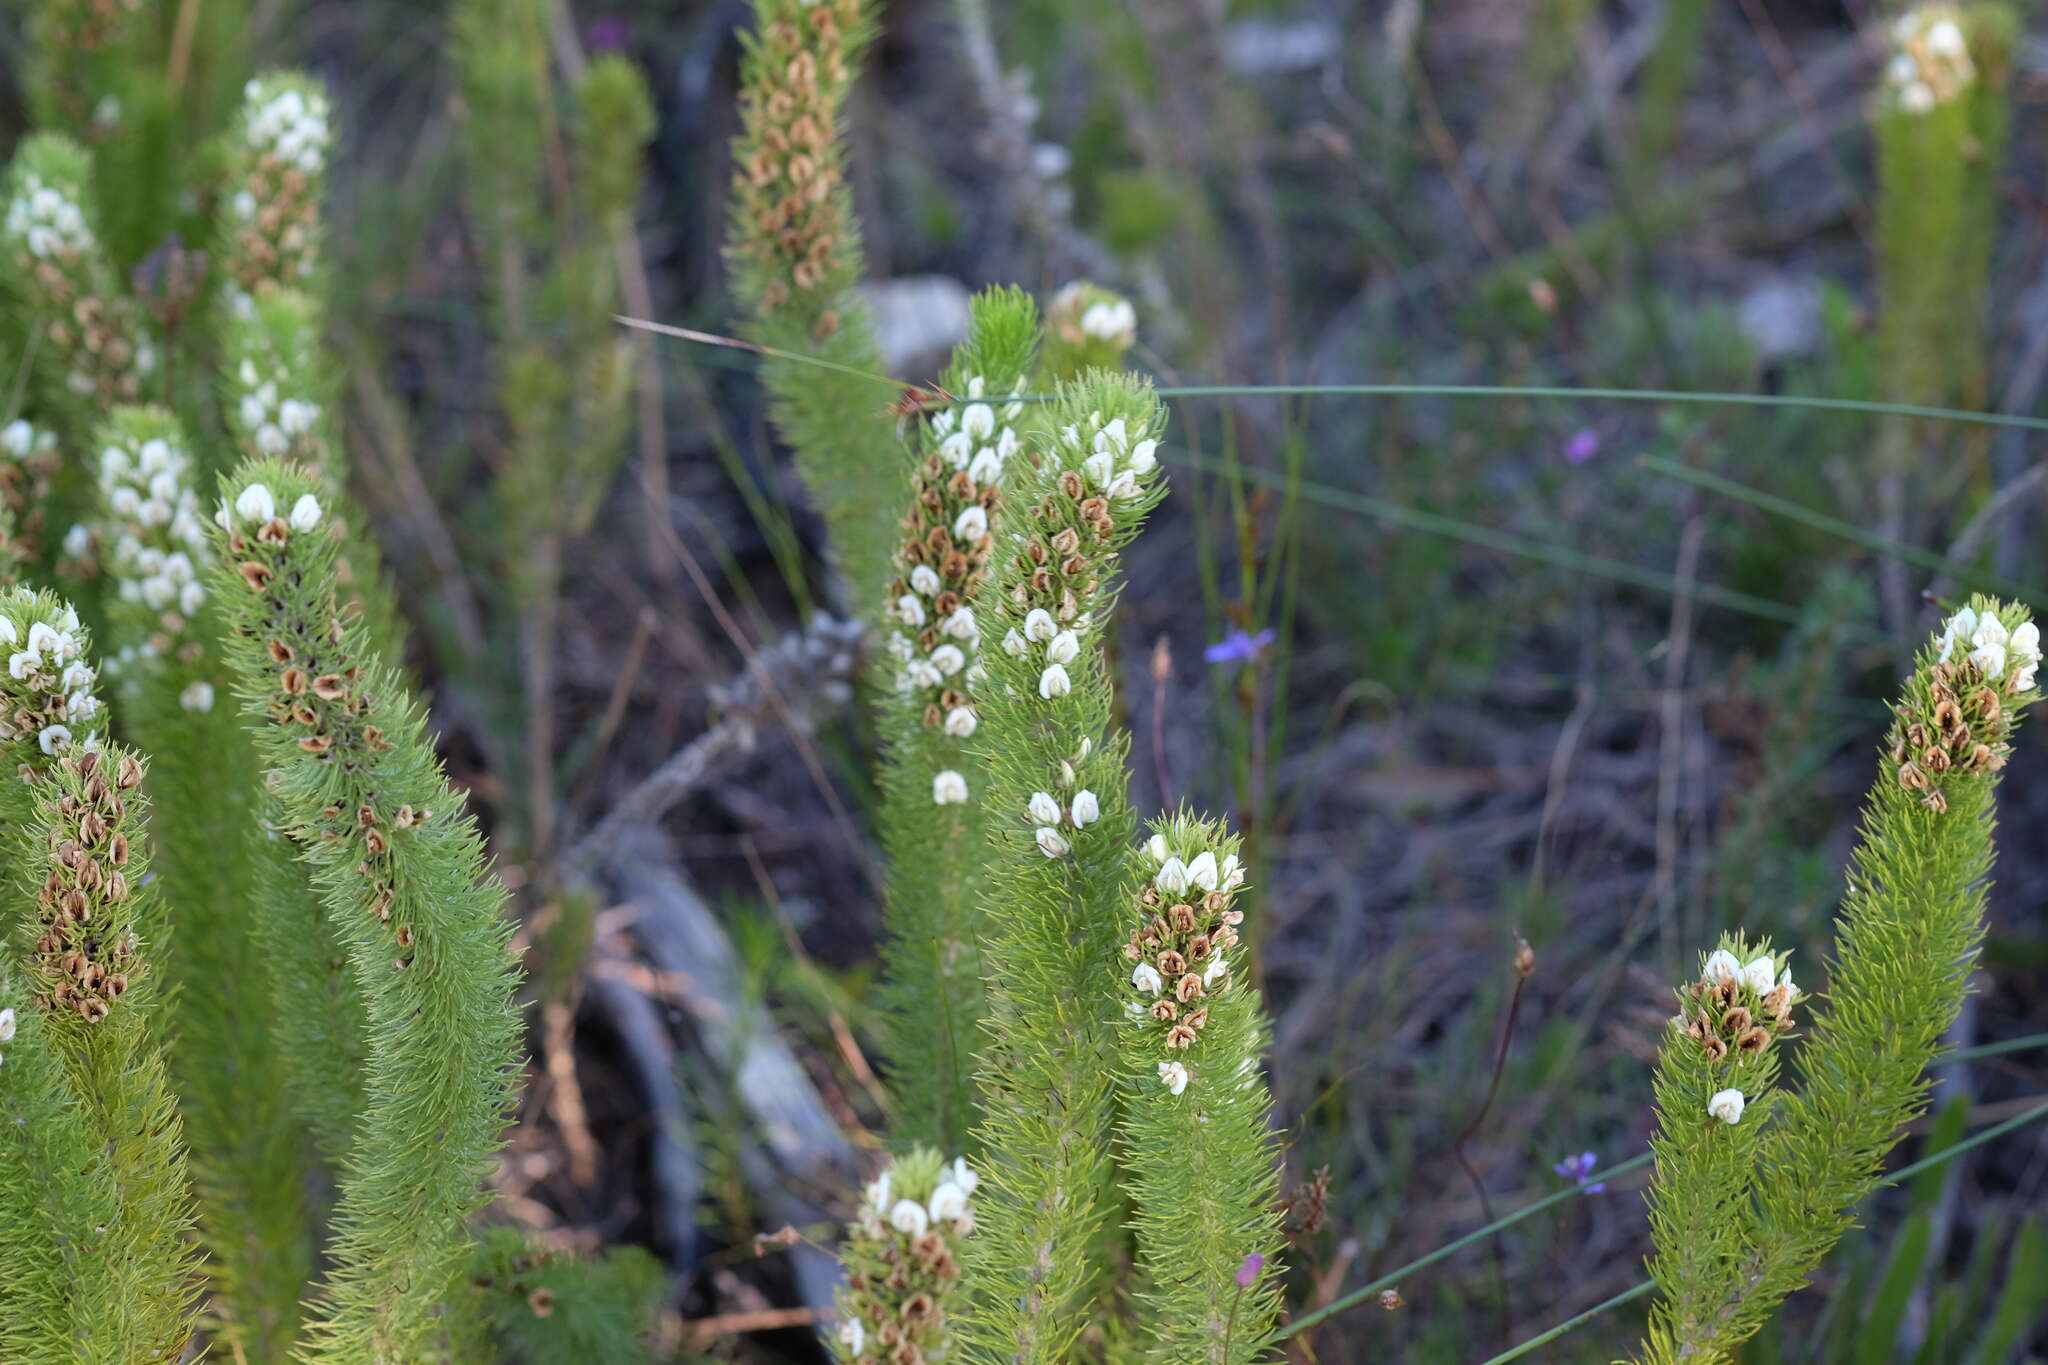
(45, 654)
(1992, 648)
(270, 423)
(288, 123)
(1182, 950)
(156, 538)
(1760, 974)
(979, 437)
(1930, 63)
(1111, 320)
(1115, 463)
(1048, 814)
(951, 1201)
(1062, 645)
(19, 440)
(46, 222)
(256, 505)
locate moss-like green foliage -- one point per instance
(902, 1261)
(97, 1218)
(232, 1081)
(1750, 1195)
(1200, 1163)
(1061, 827)
(1941, 122)
(397, 864)
(795, 251)
(539, 1307)
(933, 779)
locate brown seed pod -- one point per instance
(405, 936)
(1198, 947)
(329, 687)
(1736, 1020)
(274, 532)
(1912, 778)
(1183, 918)
(1715, 1049)
(316, 744)
(1165, 1011)
(292, 682)
(1188, 988)
(1180, 1035)
(254, 574)
(1172, 963)
(1753, 1039)
(1935, 760)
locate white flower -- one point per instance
(43, 640)
(7, 634)
(1785, 980)
(1087, 809)
(1044, 809)
(54, 738)
(1233, 874)
(971, 525)
(1202, 871)
(1013, 644)
(1155, 847)
(909, 610)
(1143, 457)
(978, 422)
(21, 664)
(7, 1025)
(853, 1335)
(948, 1202)
(1758, 975)
(961, 722)
(1146, 978)
(1039, 625)
(877, 1192)
(1063, 647)
(1113, 437)
(1173, 1076)
(1916, 98)
(1990, 658)
(908, 1216)
(949, 788)
(1944, 39)
(305, 512)
(1099, 468)
(197, 696)
(988, 464)
(957, 449)
(2023, 678)
(2025, 644)
(924, 579)
(1052, 843)
(1054, 682)
(948, 660)
(1956, 628)
(296, 416)
(1172, 877)
(1726, 1106)
(922, 673)
(255, 503)
(78, 541)
(1990, 631)
(1123, 487)
(1214, 972)
(960, 625)
(1721, 963)
(19, 438)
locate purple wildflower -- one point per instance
(1577, 1168)
(607, 35)
(1583, 446)
(1238, 647)
(1249, 1271)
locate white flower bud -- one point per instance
(305, 513)
(1087, 809)
(908, 1216)
(1156, 848)
(254, 503)
(1044, 809)
(1063, 647)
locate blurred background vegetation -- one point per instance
(1600, 674)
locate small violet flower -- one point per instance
(1583, 446)
(1577, 1168)
(1238, 647)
